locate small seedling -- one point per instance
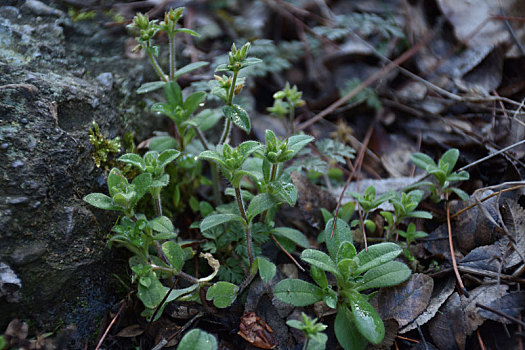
(286, 101)
(442, 172)
(315, 339)
(357, 322)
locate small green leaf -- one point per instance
(151, 296)
(423, 161)
(100, 201)
(390, 274)
(259, 204)
(167, 157)
(238, 116)
(267, 269)
(319, 276)
(222, 293)
(174, 254)
(152, 86)
(461, 194)
(141, 182)
(421, 214)
(297, 292)
(133, 159)
(197, 339)
(162, 143)
(342, 234)
(297, 142)
(347, 268)
(450, 158)
(250, 61)
(173, 94)
(319, 259)
(330, 297)
(346, 331)
(213, 220)
(346, 251)
(367, 319)
(189, 68)
(162, 224)
(193, 101)
(116, 180)
(285, 191)
(376, 255)
(212, 156)
(292, 234)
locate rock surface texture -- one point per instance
(56, 77)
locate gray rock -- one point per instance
(54, 242)
(9, 284)
(106, 80)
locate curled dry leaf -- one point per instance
(440, 294)
(514, 219)
(255, 331)
(447, 329)
(404, 303)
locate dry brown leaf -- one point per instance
(130, 331)
(514, 218)
(484, 294)
(511, 304)
(405, 302)
(255, 331)
(440, 294)
(448, 327)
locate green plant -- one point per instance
(286, 100)
(368, 201)
(197, 339)
(273, 187)
(405, 205)
(411, 234)
(357, 322)
(442, 172)
(315, 339)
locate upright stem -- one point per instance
(292, 117)
(232, 89)
(273, 175)
(240, 203)
(157, 67)
(157, 203)
(228, 125)
(172, 56)
(215, 184)
(226, 131)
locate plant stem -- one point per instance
(172, 56)
(232, 90)
(305, 345)
(240, 203)
(228, 125)
(157, 67)
(292, 116)
(226, 131)
(157, 203)
(215, 184)
(273, 175)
